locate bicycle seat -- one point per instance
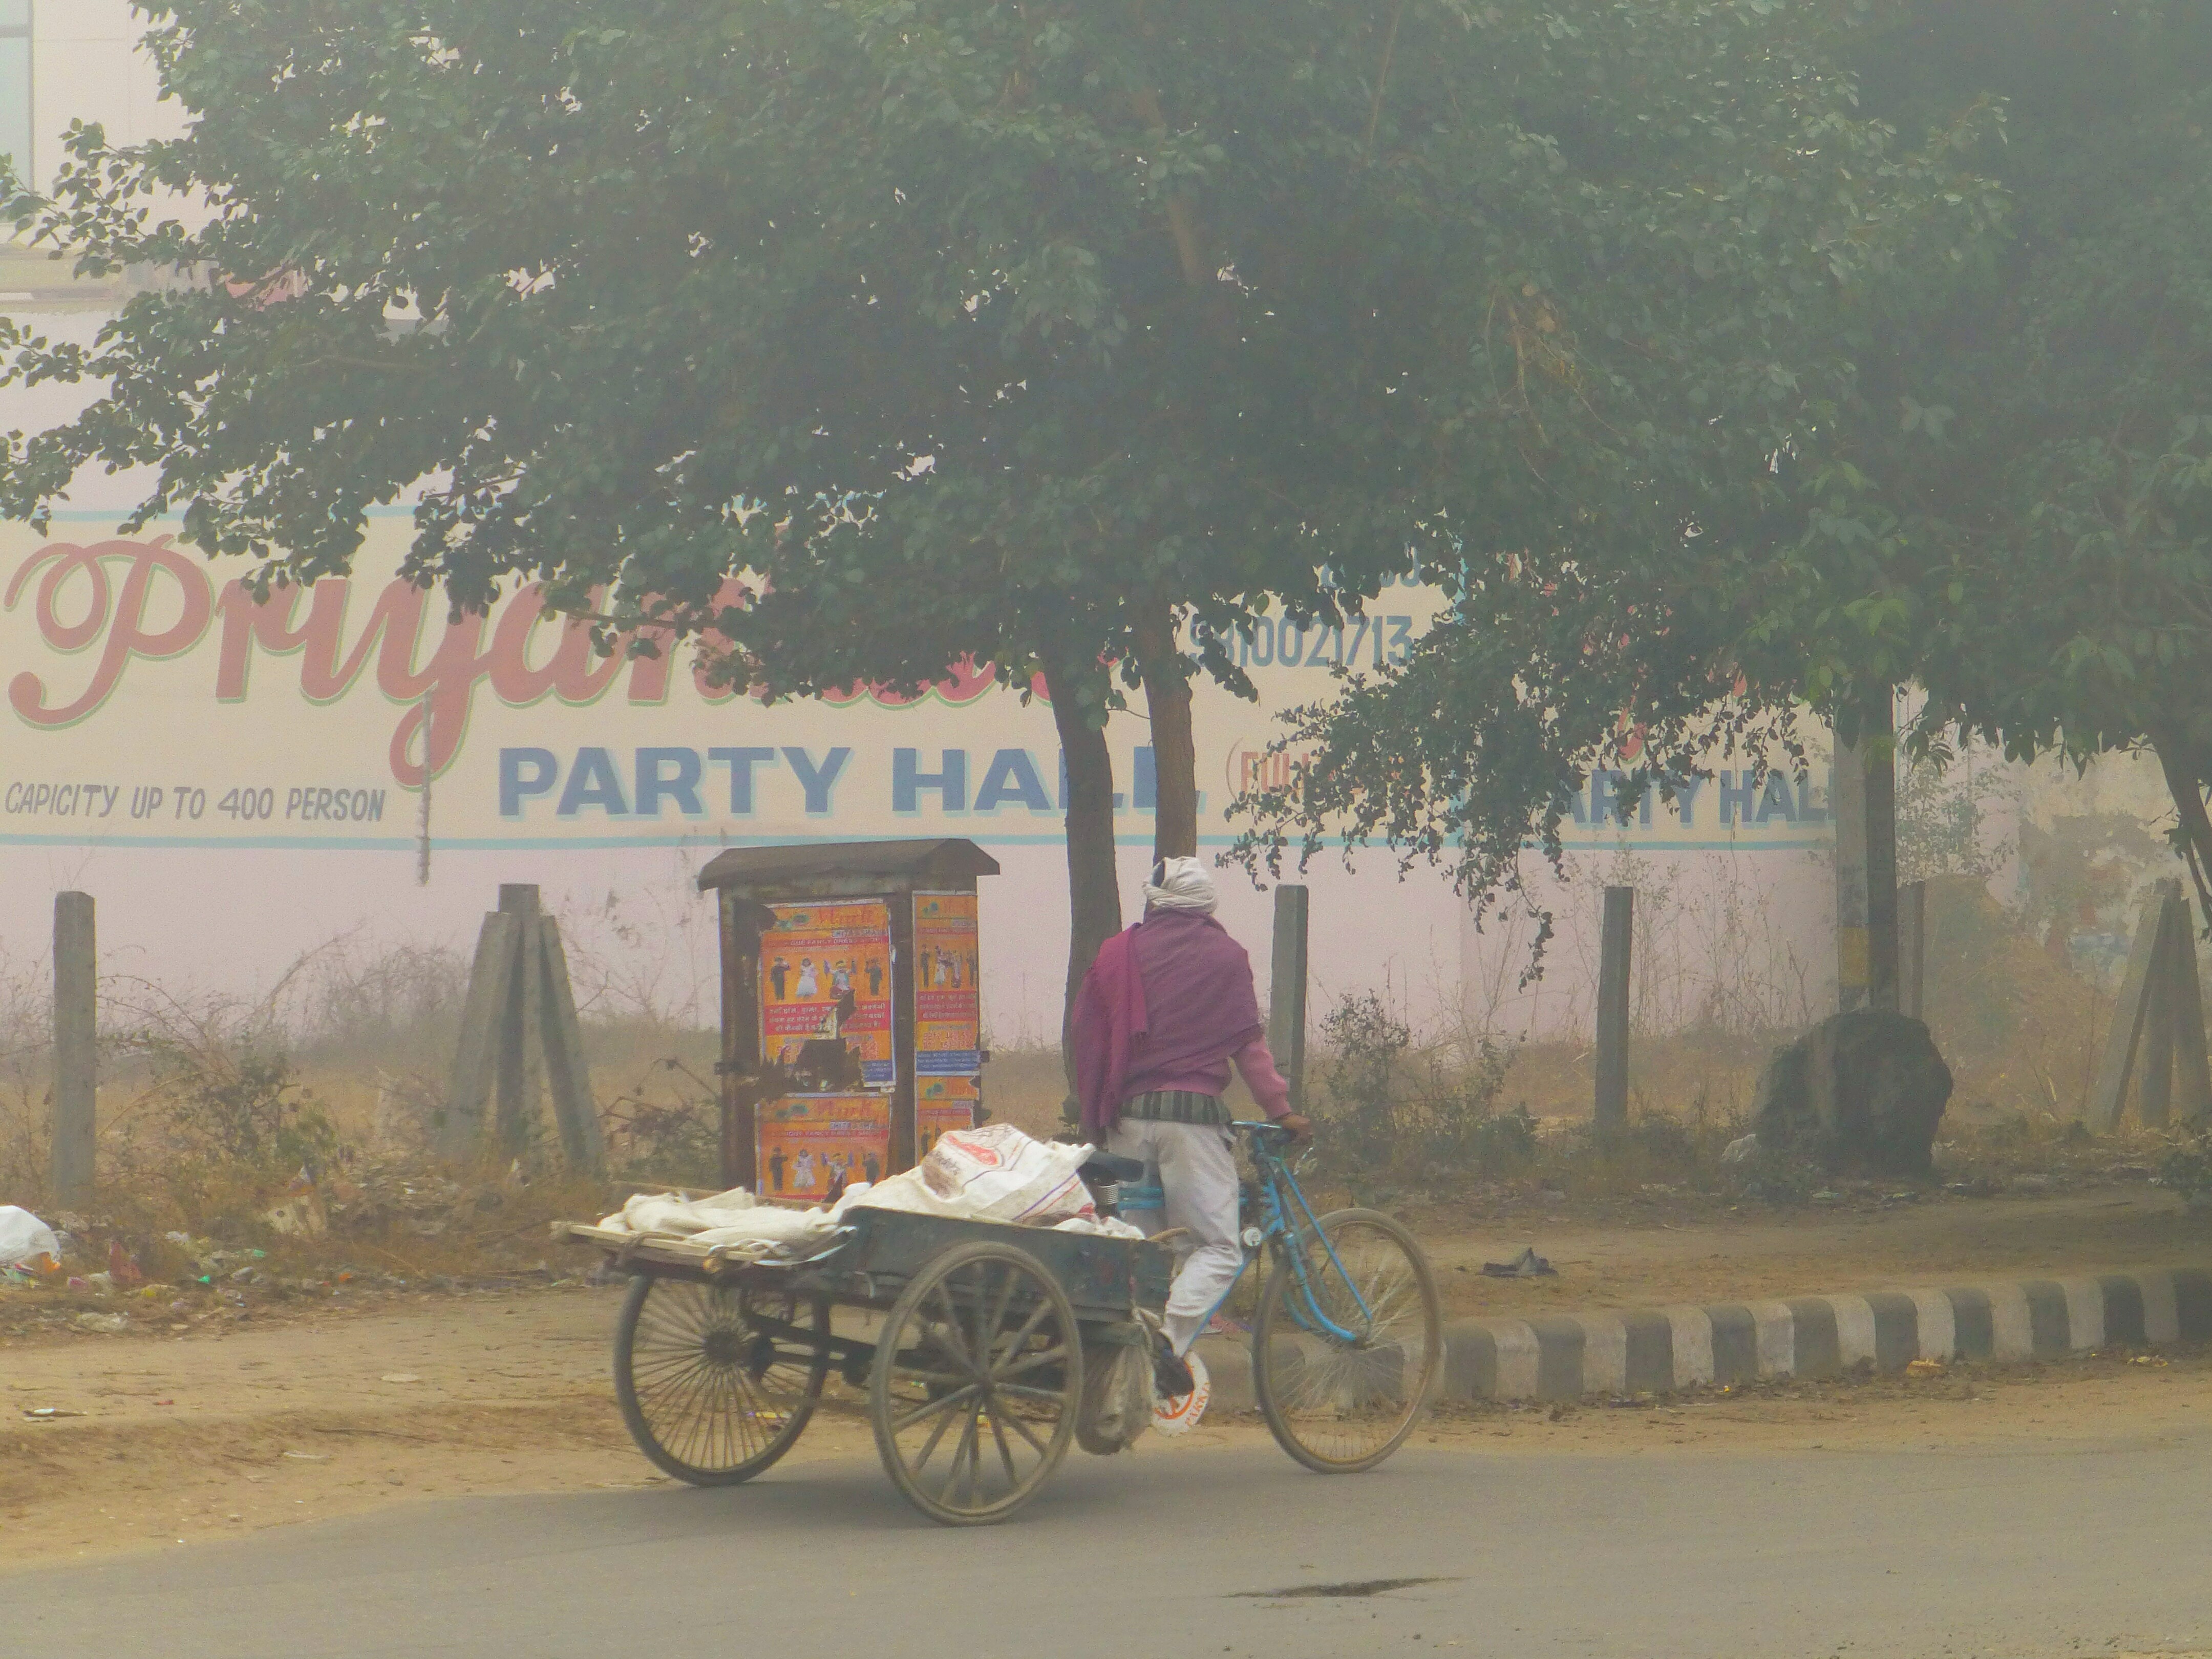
(1112, 1166)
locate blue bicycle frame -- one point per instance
(1283, 1203)
(1284, 1211)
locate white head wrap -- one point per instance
(1181, 884)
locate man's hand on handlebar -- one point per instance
(1298, 1124)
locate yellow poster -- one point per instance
(807, 1142)
(948, 1008)
(825, 996)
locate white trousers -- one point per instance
(1197, 1164)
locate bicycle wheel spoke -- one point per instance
(668, 1393)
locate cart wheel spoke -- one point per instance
(685, 1379)
(964, 1459)
(1023, 1430)
(993, 1312)
(998, 1319)
(929, 1446)
(1028, 1391)
(1029, 1362)
(930, 1407)
(1029, 1327)
(949, 1335)
(1005, 1451)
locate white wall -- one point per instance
(85, 65)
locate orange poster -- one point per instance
(825, 996)
(945, 1103)
(948, 1008)
(806, 1141)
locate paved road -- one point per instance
(1170, 1555)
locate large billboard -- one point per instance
(157, 711)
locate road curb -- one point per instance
(1656, 1350)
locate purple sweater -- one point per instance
(1169, 1005)
(1254, 1064)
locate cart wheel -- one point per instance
(1343, 1403)
(709, 1392)
(978, 1381)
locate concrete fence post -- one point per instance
(2108, 1096)
(1286, 996)
(1614, 962)
(521, 1037)
(76, 1050)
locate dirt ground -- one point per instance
(315, 1410)
(1936, 1239)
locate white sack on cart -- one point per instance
(996, 1173)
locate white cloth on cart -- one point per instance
(673, 1216)
(996, 1173)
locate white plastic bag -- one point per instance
(997, 1173)
(1110, 1226)
(24, 1238)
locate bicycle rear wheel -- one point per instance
(1348, 1343)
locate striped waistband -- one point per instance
(1174, 1106)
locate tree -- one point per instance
(1065, 335)
(2043, 448)
(1994, 486)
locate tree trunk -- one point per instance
(1094, 893)
(1174, 752)
(2185, 778)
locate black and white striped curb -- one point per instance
(1656, 1350)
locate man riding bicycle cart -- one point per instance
(978, 1345)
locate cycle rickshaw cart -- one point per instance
(983, 1348)
(997, 1345)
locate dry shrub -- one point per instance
(25, 1079)
(2019, 1027)
(1394, 1114)
(666, 1128)
(1651, 1151)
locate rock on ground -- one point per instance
(1885, 1087)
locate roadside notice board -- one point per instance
(948, 1059)
(851, 1018)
